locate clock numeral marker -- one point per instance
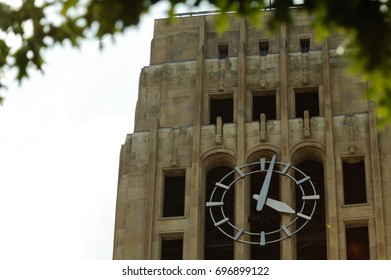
(262, 240)
(221, 222)
(287, 232)
(310, 197)
(262, 162)
(241, 174)
(213, 204)
(238, 234)
(303, 180)
(222, 186)
(303, 216)
(286, 168)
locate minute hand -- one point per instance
(265, 186)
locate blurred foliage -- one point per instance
(36, 27)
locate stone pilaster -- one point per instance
(241, 192)
(330, 184)
(197, 205)
(286, 196)
(150, 189)
(377, 186)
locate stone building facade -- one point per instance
(210, 102)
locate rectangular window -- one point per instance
(354, 181)
(263, 48)
(264, 103)
(223, 107)
(306, 100)
(174, 193)
(223, 51)
(305, 45)
(357, 243)
(172, 249)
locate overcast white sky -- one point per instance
(60, 137)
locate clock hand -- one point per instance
(277, 205)
(265, 186)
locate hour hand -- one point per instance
(277, 205)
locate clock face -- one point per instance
(265, 223)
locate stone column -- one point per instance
(197, 192)
(120, 215)
(150, 189)
(286, 195)
(241, 191)
(377, 186)
(330, 181)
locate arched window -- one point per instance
(311, 240)
(217, 245)
(265, 220)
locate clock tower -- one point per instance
(252, 145)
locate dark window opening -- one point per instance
(357, 243)
(217, 245)
(174, 196)
(264, 104)
(354, 182)
(311, 240)
(172, 249)
(307, 101)
(223, 108)
(267, 220)
(223, 51)
(304, 45)
(263, 48)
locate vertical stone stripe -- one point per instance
(377, 187)
(197, 207)
(241, 250)
(287, 244)
(330, 184)
(150, 189)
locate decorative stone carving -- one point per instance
(307, 126)
(351, 134)
(262, 128)
(225, 80)
(219, 131)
